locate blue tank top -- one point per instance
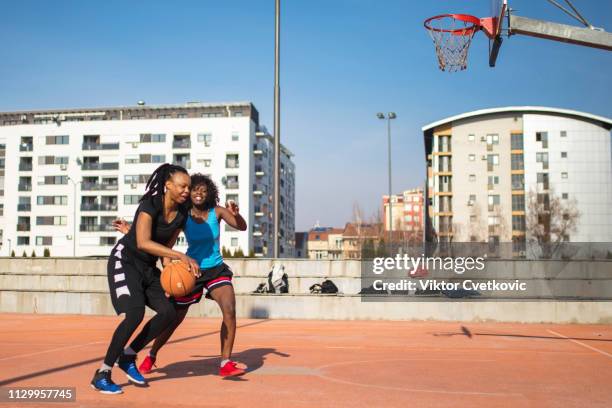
(203, 240)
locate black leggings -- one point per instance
(166, 314)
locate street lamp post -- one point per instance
(277, 161)
(388, 117)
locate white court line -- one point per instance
(423, 390)
(345, 347)
(50, 351)
(580, 343)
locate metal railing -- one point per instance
(100, 146)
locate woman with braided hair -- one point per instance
(133, 277)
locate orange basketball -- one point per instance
(176, 279)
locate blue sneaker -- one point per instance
(128, 364)
(102, 382)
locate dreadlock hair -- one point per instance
(157, 181)
(212, 193)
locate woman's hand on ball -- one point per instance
(193, 265)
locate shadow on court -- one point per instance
(209, 365)
(468, 333)
(101, 358)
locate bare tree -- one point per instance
(477, 230)
(550, 220)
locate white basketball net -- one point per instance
(452, 44)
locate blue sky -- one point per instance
(342, 61)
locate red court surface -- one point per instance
(324, 363)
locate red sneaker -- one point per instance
(230, 369)
(147, 365)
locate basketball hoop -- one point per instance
(452, 35)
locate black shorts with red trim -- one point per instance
(211, 279)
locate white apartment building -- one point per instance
(68, 173)
(483, 165)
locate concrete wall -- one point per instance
(79, 286)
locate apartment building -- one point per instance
(406, 211)
(484, 167)
(66, 174)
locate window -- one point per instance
(408, 207)
(563, 133)
(493, 219)
(232, 197)
(52, 200)
(43, 160)
(234, 242)
(472, 157)
(23, 240)
(493, 139)
(231, 161)
(493, 180)
(564, 155)
(205, 138)
(131, 199)
(44, 240)
(472, 199)
(565, 196)
(493, 202)
(232, 182)
(235, 136)
(492, 160)
(107, 241)
(158, 138)
(542, 157)
(542, 179)
(54, 140)
(55, 180)
(518, 222)
(471, 137)
(472, 177)
(181, 115)
(516, 141)
(542, 137)
(148, 158)
(518, 182)
(132, 159)
(57, 220)
(518, 202)
(564, 175)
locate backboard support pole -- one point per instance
(559, 32)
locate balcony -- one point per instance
(24, 187)
(259, 171)
(182, 144)
(516, 185)
(98, 207)
(99, 187)
(26, 147)
(24, 207)
(100, 166)
(25, 167)
(96, 228)
(100, 146)
(23, 227)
